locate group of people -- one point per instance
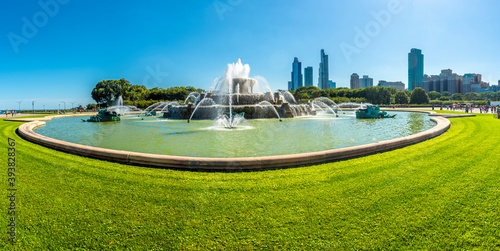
(487, 109)
(470, 108)
(13, 113)
(482, 108)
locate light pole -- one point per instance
(19, 102)
(44, 108)
(72, 106)
(33, 105)
(59, 110)
(64, 105)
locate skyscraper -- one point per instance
(296, 74)
(308, 76)
(415, 69)
(323, 72)
(332, 84)
(366, 81)
(354, 81)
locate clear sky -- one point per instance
(57, 53)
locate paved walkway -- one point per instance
(475, 110)
(20, 116)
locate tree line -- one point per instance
(106, 91)
(387, 95)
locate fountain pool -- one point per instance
(252, 138)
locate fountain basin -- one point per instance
(229, 164)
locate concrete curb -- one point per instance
(229, 164)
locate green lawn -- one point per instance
(440, 194)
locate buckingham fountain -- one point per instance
(234, 97)
(235, 125)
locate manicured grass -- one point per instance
(440, 194)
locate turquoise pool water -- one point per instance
(252, 137)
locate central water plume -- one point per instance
(235, 96)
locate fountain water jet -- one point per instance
(235, 96)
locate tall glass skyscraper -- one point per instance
(308, 76)
(366, 81)
(296, 74)
(323, 72)
(415, 69)
(354, 81)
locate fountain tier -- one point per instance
(239, 97)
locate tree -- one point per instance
(401, 97)
(91, 106)
(471, 96)
(136, 92)
(108, 90)
(120, 87)
(445, 93)
(309, 92)
(486, 95)
(418, 96)
(378, 94)
(433, 95)
(496, 97)
(408, 93)
(456, 96)
(102, 92)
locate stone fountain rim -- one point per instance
(227, 164)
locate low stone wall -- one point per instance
(230, 164)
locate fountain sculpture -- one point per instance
(104, 116)
(235, 97)
(372, 112)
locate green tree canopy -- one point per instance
(486, 95)
(471, 96)
(418, 96)
(456, 96)
(108, 90)
(401, 97)
(446, 93)
(379, 94)
(433, 95)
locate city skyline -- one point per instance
(53, 54)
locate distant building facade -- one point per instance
(400, 86)
(471, 83)
(366, 81)
(323, 72)
(454, 83)
(308, 76)
(354, 81)
(296, 74)
(415, 69)
(332, 84)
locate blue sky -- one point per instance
(76, 44)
